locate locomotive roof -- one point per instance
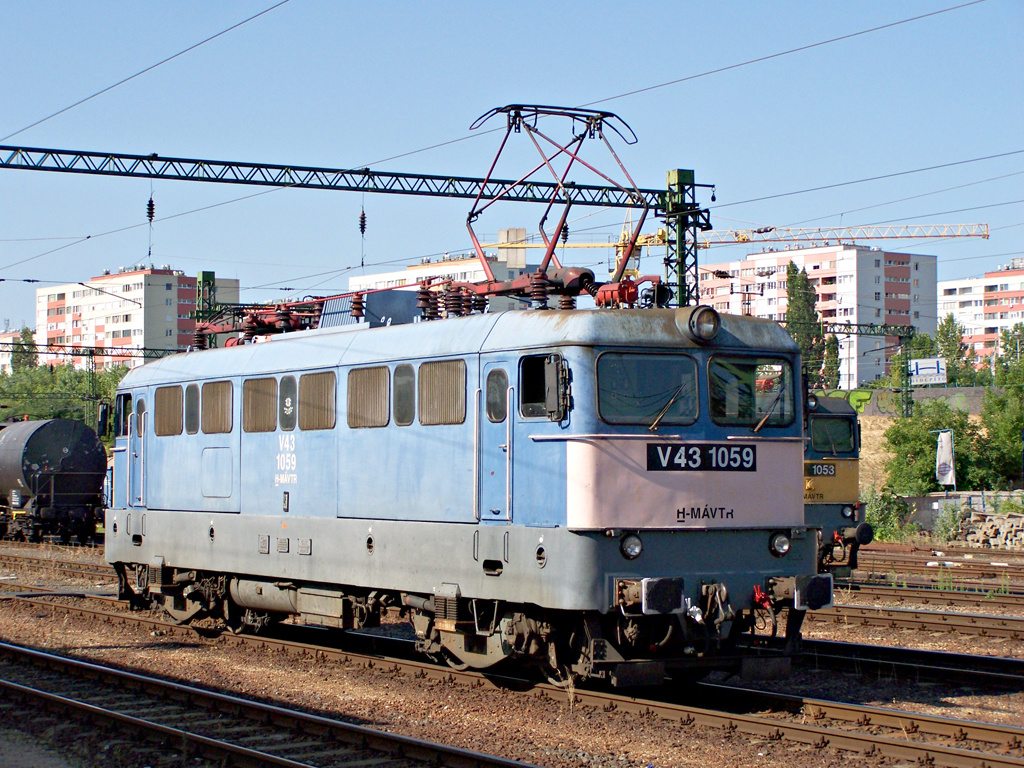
(834, 406)
(490, 332)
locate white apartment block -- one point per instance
(505, 264)
(136, 308)
(985, 306)
(7, 340)
(854, 284)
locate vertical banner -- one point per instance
(945, 472)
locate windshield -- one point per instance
(832, 435)
(637, 388)
(753, 391)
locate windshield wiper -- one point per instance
(661, 414)
(771, 410)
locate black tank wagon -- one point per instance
(51, 479)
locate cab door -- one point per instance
(137, 424)
(495, 449)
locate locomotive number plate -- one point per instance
(819, 469)
(701, 457)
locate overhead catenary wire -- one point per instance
(619, 96)
(144, 71)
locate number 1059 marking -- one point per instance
(701, 457)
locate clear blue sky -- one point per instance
(345, 84)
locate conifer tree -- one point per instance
(802, 320)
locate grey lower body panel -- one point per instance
(553, 568)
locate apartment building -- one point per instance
(985, 306)
(854, 284)
(505, 263)
(7, 339)
(137, 307)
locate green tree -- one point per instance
(830, 371)
(1002, 414)
(59, 391)
(802, 320)
(912, 444)
(960, 359)
(24, 355)
(1010, 367)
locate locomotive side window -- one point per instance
(259, 405)
(756, 392)
(834, 436)
(497, 395)
(316, 400)
(122, 408)
(646, 389)
(405, 395)
(216, 412)
(543, 386)
(442, 392)
(287, 405)
(192, 408)
(368, 396)
(167, 411)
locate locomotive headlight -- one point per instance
(779, 544)
(848, 511)
(631, 546)
(704, 324)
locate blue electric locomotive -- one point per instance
(601, 493)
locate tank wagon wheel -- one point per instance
(65, 535)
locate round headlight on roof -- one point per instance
(704, 324)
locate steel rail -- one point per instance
(352, 742)
(69, 567)
(766, 727)
(910, 664)
(987, 571)
(1002, 736)
(927, 621)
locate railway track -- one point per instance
(815, 724)
(946, 567)
(65, 567)
(949, 598)
(926, 621)
(913, 665)
(195, 722)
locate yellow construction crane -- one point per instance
(837, 235)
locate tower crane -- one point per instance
(827, 235)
